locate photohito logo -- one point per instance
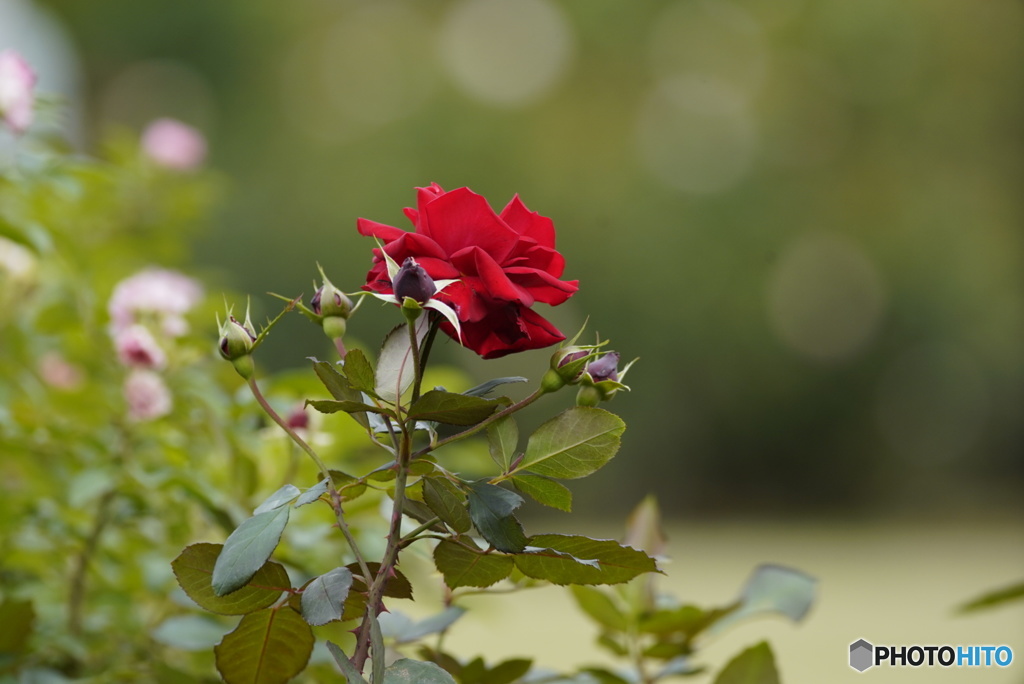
(865, 655)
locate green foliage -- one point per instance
(120, 487)
(247, 549)
(323, 599)
(194, 571)
(574, 444)
(492, 509)
(572, 559)
(462, 564)
(756, 665)
(269, 646)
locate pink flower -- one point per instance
(59, 373)
(137, 348)
(17, 81)
(159, 294)
(174, 145)
(147, 396)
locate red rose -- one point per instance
(502, 263)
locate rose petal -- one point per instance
(529, 223)
(462, 218)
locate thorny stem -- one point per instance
(417, 368)
(324, 472)
(77, 597)
(394, 544)
(428, 343)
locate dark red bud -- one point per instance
(605, 368)
(412, 281)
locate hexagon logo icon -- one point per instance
(861, 653)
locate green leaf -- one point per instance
(397, 586)
(448, 502)
(281, 497)
(312, 494)
(377, 652)
(353, 407)
(599, 675)
(452, 409)
(600, 607)
(17, 620)
(507, 671)
(544, 490)
(485, 388)
(564, 559)
(352, 675)
(406, 671)
(395, 371)
(340, 388)
(359, 371)
(756, 665)
(574, 443)
(462, 566)
(323, 599)
(502, 439)
(687, 620)
(194, 569)
(491, 508)
(247, 549)
(268, 647)
(771, 589)
(1014, 592)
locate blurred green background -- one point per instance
(804, 216)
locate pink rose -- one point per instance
(174, 145)
(160, 294)
(17, 81)
(147, 396)
(137, 348)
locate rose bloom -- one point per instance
(166, 295)
(174, 145)
(147, 396)
(137, 348)
(17, 81)
(502, 263)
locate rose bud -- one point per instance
(236, 342)
(413, 281)
(333, 307)
(604, 368)
(236, 338)
(589, 395)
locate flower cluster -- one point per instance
(144, 308)
(500, 264)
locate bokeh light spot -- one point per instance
(696, 135)
(716, 40)
(825, 297)
(506, 52)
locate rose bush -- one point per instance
(502, 263)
